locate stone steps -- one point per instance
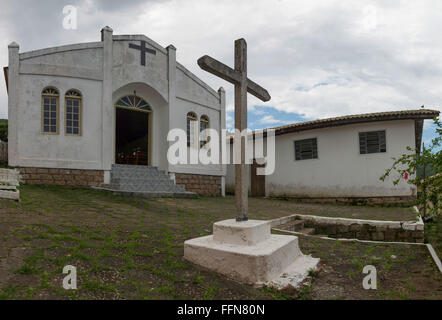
(297, 226)
(308, 231)
(145, 187)
(143, 181)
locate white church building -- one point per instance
(80, 114)
(98, 115)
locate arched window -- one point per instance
(133, 101)
(192, 121)
(204, 125)
(49, 110)
(73, 105)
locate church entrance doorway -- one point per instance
(133, 131)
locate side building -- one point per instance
(340, 159)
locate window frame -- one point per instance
(379, 144)
(121, 103)
(204, 118)
(317, 151)
(192, 116)
(57, 110)
(80, 112)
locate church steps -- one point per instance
(142, 186)
(139, 178)
(145, 188)
(143, 181)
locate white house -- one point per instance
(340, 158)
(77, 111)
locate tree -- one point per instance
(428, 160)
(4, 131)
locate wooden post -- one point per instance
(238, 76)
(241, 172)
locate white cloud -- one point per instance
(317, 58)
(270, 120)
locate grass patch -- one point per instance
(133, 249)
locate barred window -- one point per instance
(306, 149)
(192, 121)
(372, 142)
(73, 110)
(49, 113)
(204, 125)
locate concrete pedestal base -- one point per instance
(247, 252)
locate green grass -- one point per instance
(126, 248)
(433, 234)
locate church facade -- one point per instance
(77, 111)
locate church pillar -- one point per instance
(171, 76)
(13, 85)
(223, 141)
(107, 108)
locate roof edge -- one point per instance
(358, 118)
(420, 114)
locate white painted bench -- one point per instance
(9, 180)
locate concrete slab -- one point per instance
(248, 232)
(12, 195)
(296, 273)
(7, 187)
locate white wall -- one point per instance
(104, 72)
(58, 151)
(180, 121)
(340, 169)
(66, 67)
(153, 84)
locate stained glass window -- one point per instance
(73, 112)
(133, 101)
(50, 100)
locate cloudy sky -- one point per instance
(316, 58)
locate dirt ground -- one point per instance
(127, 248)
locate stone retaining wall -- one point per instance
(374, 201)
(376, 230)
(62, 177)
(200, 184)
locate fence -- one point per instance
(3, 152)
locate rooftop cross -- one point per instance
(143, 50)
(238, 77)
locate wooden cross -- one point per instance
(143, 50)
(238, 77)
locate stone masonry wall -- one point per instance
(373, 201)
(62, 177)
(200, 184)
(391, 231)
